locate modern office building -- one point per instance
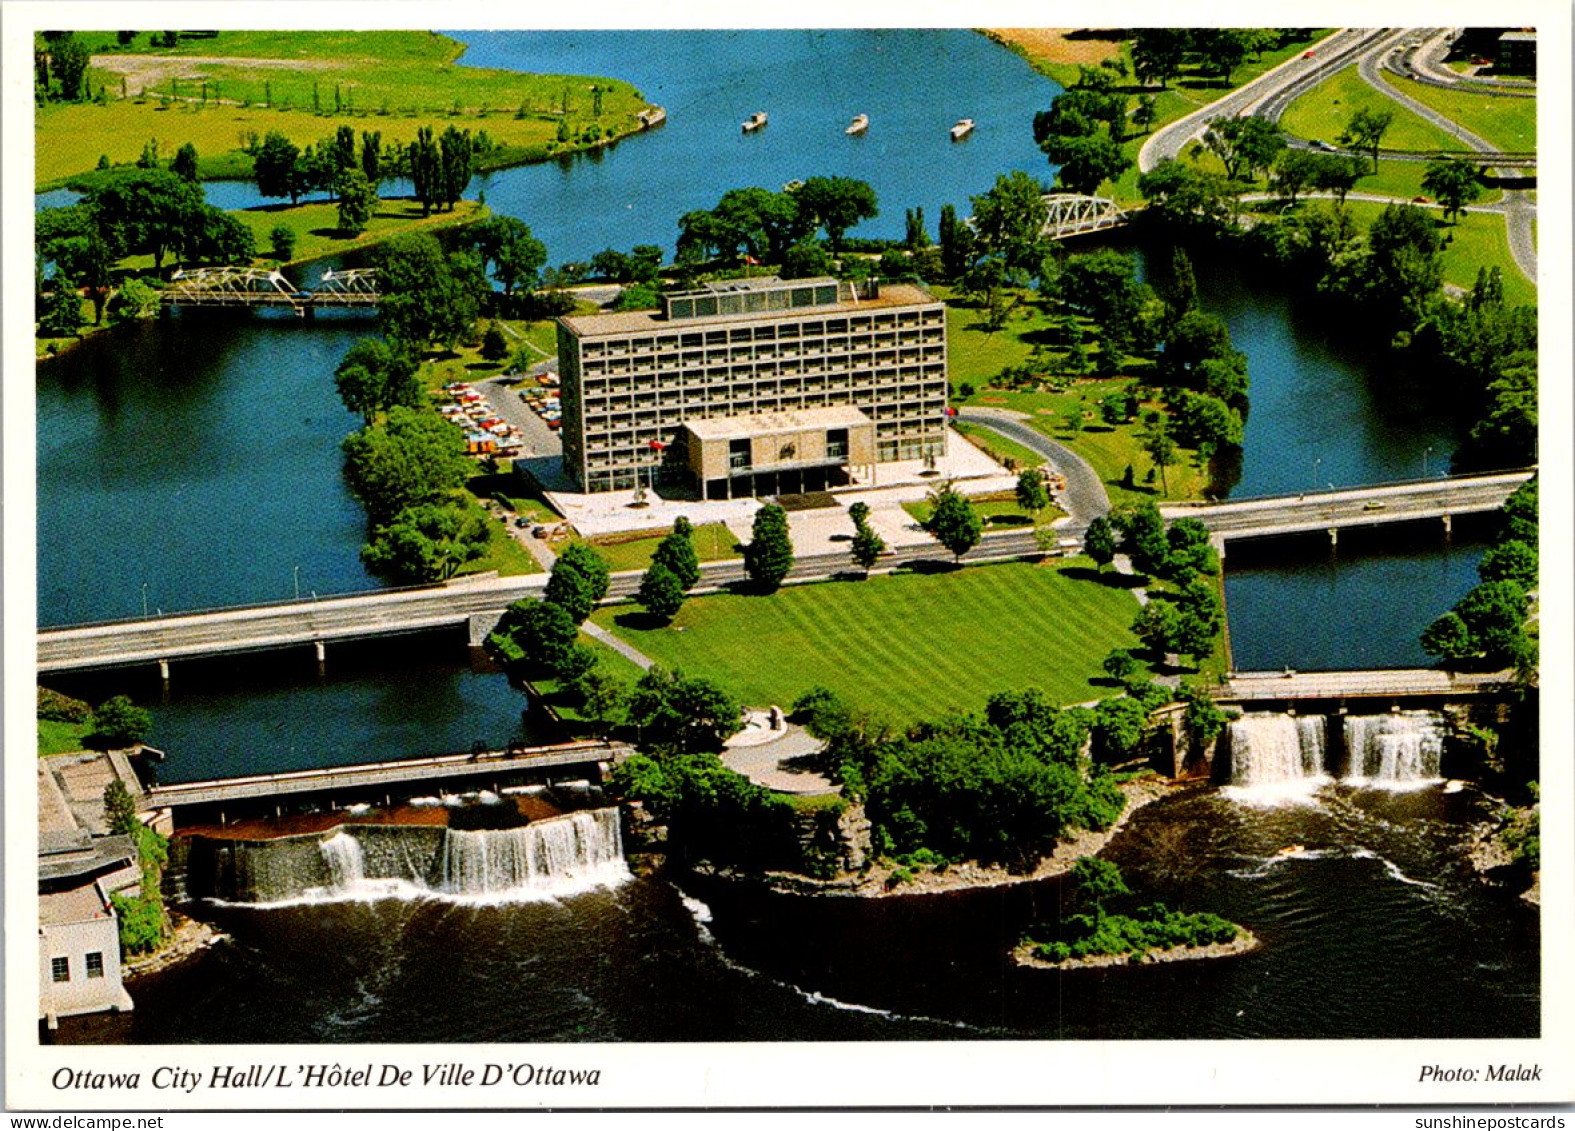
(754, 386)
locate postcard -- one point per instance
(633, 560)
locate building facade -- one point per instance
(754, 386)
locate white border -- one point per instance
(807, 1074)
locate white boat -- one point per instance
(858, 125)
(962, 129)
(755, 121)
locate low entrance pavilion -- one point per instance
(768, 453)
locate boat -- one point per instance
(755, 121)
(962, 129)
(858, 125)
(1293, 850)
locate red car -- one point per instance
(1308, 54)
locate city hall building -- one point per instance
(754, 386)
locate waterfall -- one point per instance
(346, 862)
(1271, 750)
(546, 859)
(1395, 750)
(543, 859)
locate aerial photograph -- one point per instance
(859, 535)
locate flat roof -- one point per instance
(75, 906)
(775, 423)
(636, 321)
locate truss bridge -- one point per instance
(1070, 214)
(256, 287)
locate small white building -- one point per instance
(78, 954)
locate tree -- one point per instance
(184, 165)
(1143, 533)
(118, 722)
(62, 313)
(425, 163)
(1184, 195)
(1099, 541)
(152, 211)
(836, 204)
(1448, 638)
(1455, 181)
(1157, 442)
(1366, 130)
(691, 713)
(956, 241)
(426, 294)
(1494, 613)
(411, 457)
(1295, 171)
(867, 546)
(426, 543)
(275, 167)
(1031, 493)
(661, 592)
(916, 237)
(1244, 144)
(1085, 161)
(70, 58)
(1159, 627)
(282, 240)
(515, 255)
(1097, 881)
(376, 375)
(1334, 173)
(579, 581)
(1510, 560)
(1181, 293)
(1157, 54)
(357, 200)
(494, 346)
(769, 555)
(953, 522)
(677, 553)
(1118, 727)
(1010, 220)
(456, 165)
(545, 632)
(1119, 664)
(807, 260)
(120, 809)
(1146, 113)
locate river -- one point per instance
(195, 462)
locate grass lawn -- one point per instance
(503, 554)
(316, 226)
(304, 84)
(998, 510)
(1477, 240)
(907, 646)
(1006, 452)
(552, 689)
(1325, 110)
(1509, 123)
(713, 542)
(56, 737)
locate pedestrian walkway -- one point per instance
(622, 647)
(777, 763)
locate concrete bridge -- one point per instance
(478, 602)
(252, 287)
(369, 779)
(1334, 510)
(1397, 683)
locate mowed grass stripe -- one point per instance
(906, 646)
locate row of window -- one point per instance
(632, 449)
(627, 428)
(597, 374)
(740, 399)
(60, 968)
(808, 344)
(771, 332)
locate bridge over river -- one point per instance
(1390, 683)
(478, 602)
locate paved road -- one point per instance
(1085, 495)
(1282, 82)
(1424, 63)
(1358, 684)
(1520, 212)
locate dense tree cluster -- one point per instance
(763, 226)
(1082, 132)
(1001, 787)
(428, 294)
(1487, 626)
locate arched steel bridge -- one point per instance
(258, 287)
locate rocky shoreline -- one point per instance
(188, 939)
(877, 882)
(1243, 943)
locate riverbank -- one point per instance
(189, 938)
(880, 882)
(1243, 943)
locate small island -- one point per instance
(1153, 933)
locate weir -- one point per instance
(1284, 752)
(542, 860)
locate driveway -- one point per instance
(1085, 496)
